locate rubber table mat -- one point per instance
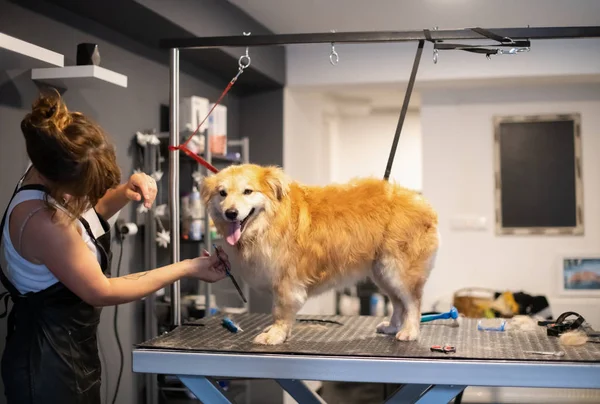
(356, 337)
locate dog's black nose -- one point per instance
(231, 214)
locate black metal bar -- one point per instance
(378, 36)
(409, 89)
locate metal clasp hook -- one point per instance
(245, 60)
(435, 51)
(513, 51)
(334, 58)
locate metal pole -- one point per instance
(409, 89)
(530, 33)
(207, 235)
(150, 254)
(174, 181)
(246, 160)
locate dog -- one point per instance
(300, 241)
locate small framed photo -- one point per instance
(580, 275)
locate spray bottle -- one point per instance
(195, 211)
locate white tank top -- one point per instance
(25, 275)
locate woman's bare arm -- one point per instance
(63, 251)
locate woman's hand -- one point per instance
(141, 186)
(209, 268)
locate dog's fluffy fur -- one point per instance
(300, 241)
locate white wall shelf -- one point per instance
(18, 54)
(78, 76)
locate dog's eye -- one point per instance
(247, 191)
(223, 193)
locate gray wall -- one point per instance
(259, 114)
(121, 112)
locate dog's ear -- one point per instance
(207, 186)
(277, 181)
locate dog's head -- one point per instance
(240, 198)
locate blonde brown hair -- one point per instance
(71, 151)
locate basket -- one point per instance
(473, 302)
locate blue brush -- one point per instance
(452, 314)
(230, 325)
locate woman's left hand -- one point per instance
(141, 186)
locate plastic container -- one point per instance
(196, 229)
(195, 209)
(377, 305)
(185, 216)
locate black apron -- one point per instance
(51, 352)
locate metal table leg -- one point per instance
(300, 391)
(205, 390)
(440, 394)
(408, 393)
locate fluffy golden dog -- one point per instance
(300, 241)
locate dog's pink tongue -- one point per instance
(235, 232)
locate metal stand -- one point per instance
(300, 391)
(207, 391)
(150, 323)
(387, 371)
(503, 37)
(207, 234)
(407, 394)
(174, 183)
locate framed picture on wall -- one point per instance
(579, 275)
(538, 178)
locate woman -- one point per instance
(56, 257)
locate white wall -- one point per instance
(306, 158)
(457, 140)
(305, 150)
(362, 147)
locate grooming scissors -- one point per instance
(443, 348)
(230, 275)
(549, 353)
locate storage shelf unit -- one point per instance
(79, 76)
(18, 54)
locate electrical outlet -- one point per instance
(119, 225)
(466, 222)
(124, 229)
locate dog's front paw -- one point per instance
(385, 328)
(408, 333)
(274, 336)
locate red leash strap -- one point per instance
(183, 146)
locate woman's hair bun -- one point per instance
(49, 112)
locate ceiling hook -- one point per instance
(245, 60)
(334, 58)
(435, 51)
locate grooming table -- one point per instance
(338, 348)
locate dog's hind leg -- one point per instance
(288, 300)
(403, 283)
(383, 270)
